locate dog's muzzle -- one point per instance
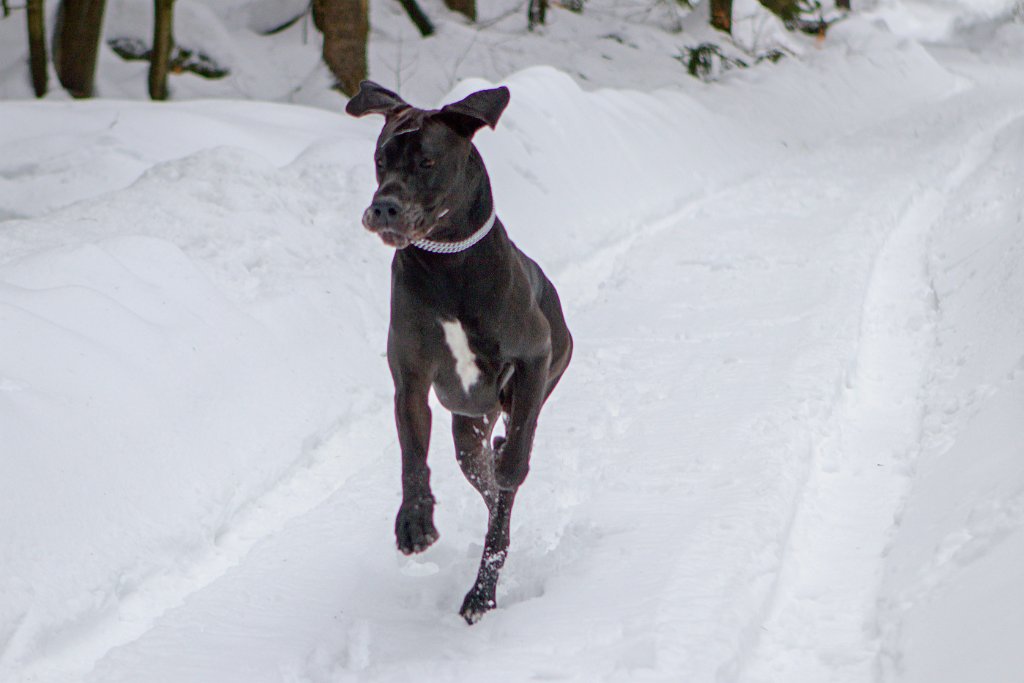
(384, 218)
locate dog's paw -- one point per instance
(476, 605)
(414, 527)
(509, 471)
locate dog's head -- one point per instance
(422, 159)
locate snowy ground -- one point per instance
(788, 448)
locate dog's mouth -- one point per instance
(393, 238)
(399, 238)
(399, 231)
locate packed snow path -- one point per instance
(716, 485)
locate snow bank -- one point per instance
(939, 20)
(151, 383)
(636, 156)
(611, 44)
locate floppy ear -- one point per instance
(480, 109)
(374, 99)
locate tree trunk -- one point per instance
(418, 17)
(842, 4)
(465, 7)
(163, 40)
(536, 13)
(345, 25)
(37, 45)
(721, 15)
(79, 25)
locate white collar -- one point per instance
(456, 247)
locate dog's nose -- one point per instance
(383, 213)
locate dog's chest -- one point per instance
(463, 357)
(466, 381)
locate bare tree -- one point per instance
(163, 40)
(842, 4)
(345, 25)
(76, 44)
(37, 45)
(536, 13)
(465, 7)
(421, 20)
(721, 15)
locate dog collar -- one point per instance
(456, 247)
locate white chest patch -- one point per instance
(465, 360)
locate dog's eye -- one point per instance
(426, 163)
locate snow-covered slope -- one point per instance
(787, 449)
(610, 44)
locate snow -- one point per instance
(757, 30)
(788, 447)
(939, 20)
(959, 536)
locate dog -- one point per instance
(471, 316)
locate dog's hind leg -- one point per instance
(472, 437)
(481, 597)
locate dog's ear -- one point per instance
(374, 99)
(480, 109)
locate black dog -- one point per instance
(471, 316)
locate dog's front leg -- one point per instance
(414, 526)
(513, 455)
(510, 469)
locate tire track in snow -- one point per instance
(318, 472)
(822, 613)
